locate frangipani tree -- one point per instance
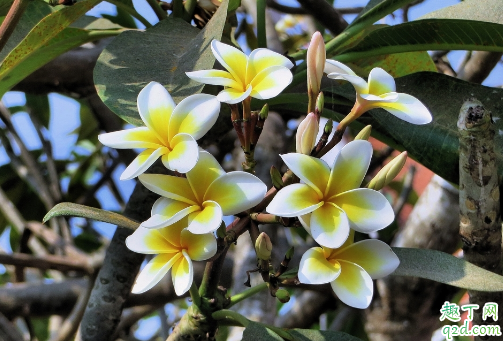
(165, 81)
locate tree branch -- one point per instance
(326, 14)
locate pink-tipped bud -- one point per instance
(316, 56)
(306, 134)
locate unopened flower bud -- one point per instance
(306, 134)
(320, 102)
(329, 126)
(289, 253)
(388, 172)
(263, 247)
(277, 180)
(364, 134)
(264, 112)
(283, 295)
(316, 56)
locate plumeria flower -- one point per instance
(205, 196)
(349, 269)
(263, 74)
(379, 92)
(170, 130)
(330, 201)
(176, 248)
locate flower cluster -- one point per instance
(328, 200)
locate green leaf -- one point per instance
(255, 331)
(162, 53)
(5, 6)
(445, 268)
(487, 10)
(47, 40)
(320, 335)
(428, 34)
(377, 9)
(75, 210)
(398, 64)
(39, 106)
(435, 145)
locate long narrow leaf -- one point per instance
(428, 34)
(75, 210)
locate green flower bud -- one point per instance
(388, 172)
(263, 247)
(328, 127)
(320, 102)
(283, 295)
(264, 112)
(364, 134)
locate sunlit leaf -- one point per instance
(47, 40)
(445, 268)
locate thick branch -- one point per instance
(115, 279)
(479, 199)
(479, 66)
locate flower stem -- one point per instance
(194, 295)
(161, 14)
(247, 293)
(13, 16)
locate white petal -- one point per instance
(367, 209)
(333, 66)
(206, 220)
(214, 77)
(409, 109)
(167, 211)
(380, 82)
(374, 256)
(350, 167)
(314, 172)
(169, 186)
(155, 106)
(154, 271)
(353, 286)
(194, 115)
(183, 157)
(329, 226)
(270, 82)
(142, 162)
(182, 274)
(231, 59)
(199, 246)
(261, 59)
(294, 200)
(149, 242)
(233, 96)
(206, 170)
(140, 137)
(314, 268)
(236, 192)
